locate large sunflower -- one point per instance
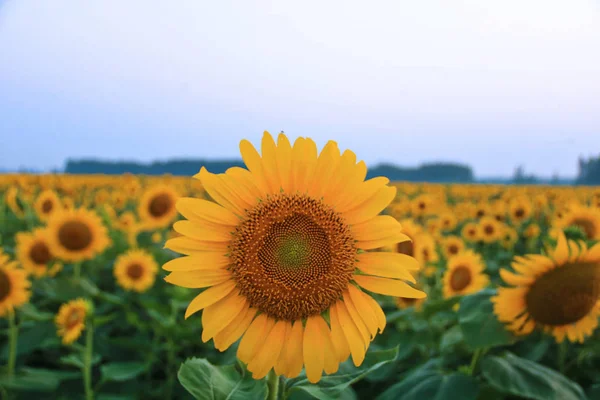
(135, 270)
(76, 235)
(559, 293)
(70, 319)
(586, 218)
(14, 285)
(283, 252)
(33, 252)
(156, 208)
(464, 274)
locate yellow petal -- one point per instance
(340, 177)
(269, 162)
(362, 193)
(373, 264)
(371, 207)
(364, 309)
(198, 278)
(356, 317)
(220, 314)
(293, 351)
(561, 254)
(188, 246)
(313, 350)
(209, 296)
(199, 210)
(280, 366)
(395, 260)
(378, 312)
(515, 279)
(266, 357)
(326, 165)
(199, 261)
(330, 362)
(234, 330)
(304, 162)
(390, 287)
(203, 233)
(284, 162)
(380, 227)
(244, 178)
(253, 338)
(254, 163)
(355, 341)
(218, 190)
(340, 343)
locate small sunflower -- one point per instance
(70, 319)
(559, 293)
(157, 206)
(76, 235)
(452, 245)
(14, 285)
(464, 274)
(532, 231)
(33, 252)
(520, 209)
(285, 254)
(448, 221)
(46, 204)
(470, 232)
(14, 202)
(586, 218)
(490, 229)
(509, 238)
(135, 270)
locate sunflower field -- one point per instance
(296, 278)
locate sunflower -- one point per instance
(470, 232)
(559, 293)
(448, 221)
(157, 206)
(406, 302)
(532, 231)
(284, 252)
(422, 205)
(452, 245)
(425, 250)
(46, 204)
(33, 252)
(520, 209)
(509, 238)
(14, 202)
(76, 235)
(490, 230)
(586, 218)
(14, 285)
(70, 319)
(464, 274)
(135, 270)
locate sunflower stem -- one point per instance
(77, 270)
(87, 362)
(562, 356)
(476, 356)
(13, 334)
(273, 384)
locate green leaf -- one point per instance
(451, 338)
(479, 324)
(122, 371)
(32, 336)
(75, 360)
(29, 311)
(35, 379)
(206, 381)
(331, 386)
(520, 377)
(427, 382)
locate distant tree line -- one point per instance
(589, 171)
(434, 172)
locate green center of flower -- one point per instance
(4, 285)
(293, 252)
(564, 294)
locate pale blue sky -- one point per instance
(492, 83)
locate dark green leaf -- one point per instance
(34, 379)
(122, 371)
(206, 381)
(479, 324)
(520, 377)
(451, 337)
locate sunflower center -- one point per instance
(453, 249)
(586, 225)
(5, 285)
(135, 271)
(565, 294)
(160, 205)
(406, 248)
(75, 235)
(74, 318)
(292, 257)
(519, 212)
(39, 253)
(488, 229)
(460, 278)
(47, 206)
(480, 213)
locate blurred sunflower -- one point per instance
(46, 204)
(285, 243)
(135, 270)
(70, 319)
(33, 253)
(452, 245)
(14, 202)
(422, 205)
(559, 293)
(509, 238)
(490, 230)
(448, 221)
(532, 231)
(14, 285)
(406, 302)
(464, 274)
(156, 208)
(520, 209)
(586, 218)
(470, 232)
(76, 235)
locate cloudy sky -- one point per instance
(493, 83)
